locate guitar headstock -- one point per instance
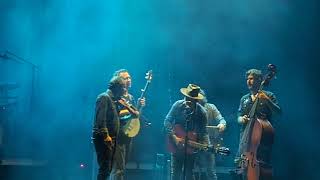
(149, 76)
(223, 151)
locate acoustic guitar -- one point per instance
(193, 145)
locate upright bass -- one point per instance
(257, 132)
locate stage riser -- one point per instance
(48, 173)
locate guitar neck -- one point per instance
(197, 145)
(212, 127)
(144, 90)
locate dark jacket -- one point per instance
(106, 120)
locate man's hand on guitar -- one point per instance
(108, 139)
(178, 141)
(263, 95)
(243, 119)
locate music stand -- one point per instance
(7, 55)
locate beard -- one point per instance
(128, 85)
(253, 87)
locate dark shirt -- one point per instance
(178, 114)
(124, 113)
(262, 111)
(106, 120)
(124, 117)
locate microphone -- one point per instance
(188, 105)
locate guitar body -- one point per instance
(249, 163)
(181, 133)
(193, 145)
(267, 139)
(132, 127)
(262, 134)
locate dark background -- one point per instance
(77, 45)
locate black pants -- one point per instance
(177, 165)
(206, 166)
(112, 159)
(121, 158)
(104, 153)
(121, 155)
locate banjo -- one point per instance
(132, 126)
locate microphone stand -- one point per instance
(34, 67)
(186, 139)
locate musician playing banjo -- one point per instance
(124, 142)
(116, 122)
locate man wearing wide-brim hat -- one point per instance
(185, 115)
